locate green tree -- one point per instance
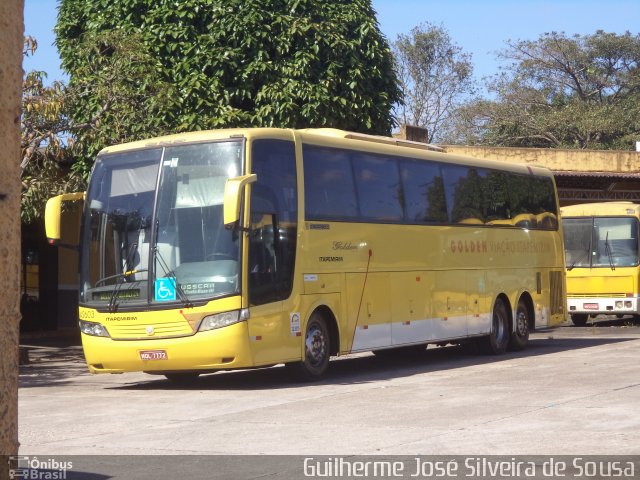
(435, 76)
(280, 63)
(43, 145)
(115, 95)
(121, 96)
(558, 91)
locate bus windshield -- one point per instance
(601, 242)
(143, 244)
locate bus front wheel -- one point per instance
(579, 319)
(497, 341)
(317, 349)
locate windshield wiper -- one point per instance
(168, 273)
(119, 275)
(113, 306)
(607, 249)
(579, 258)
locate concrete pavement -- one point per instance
(573, 391)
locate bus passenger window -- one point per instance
(423, 192)
(329, 187)
(378, 186)
(463, 187)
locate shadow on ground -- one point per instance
(59, 366)
(370, 368)
(50, 364)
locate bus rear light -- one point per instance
(628, 304)
(618, 304)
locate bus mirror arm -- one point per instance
(233, 191)
(237, 228)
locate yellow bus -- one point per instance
(601, 249)
(242, 248)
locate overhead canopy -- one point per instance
(580, 187)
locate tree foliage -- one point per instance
(61, 125)
(559, 91)
(42, 141)
(116, 94)
(280, 63)
(435, 76)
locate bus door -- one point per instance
(272, 252)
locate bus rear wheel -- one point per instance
(317, 349)
(520, 335)
(579, 319)
(497, 341)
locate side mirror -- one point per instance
(53, 215)
(233, 195)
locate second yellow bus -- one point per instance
(601, 242)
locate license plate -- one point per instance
(153, 355)
(590, 306)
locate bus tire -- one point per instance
(497, 341)
(317, 349)
(520, 335)
(579, 319)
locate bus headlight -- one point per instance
(219, 320)
(93, 328)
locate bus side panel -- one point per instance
(450, 305)
(478, 303)
(434, 306)
(411, 313)
(270, 334)
(370, 305)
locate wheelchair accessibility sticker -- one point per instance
(165, 289)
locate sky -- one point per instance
(480, 27)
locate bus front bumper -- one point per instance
(220, 349)
(603, 305)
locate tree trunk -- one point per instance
(11, 40)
